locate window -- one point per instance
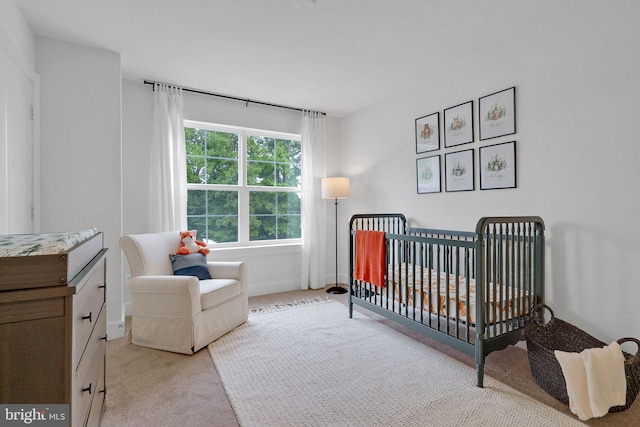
(243, 184)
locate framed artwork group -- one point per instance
(496, 162)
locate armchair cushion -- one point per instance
(217, 291)
(190, 265)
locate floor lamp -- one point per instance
(336, 188)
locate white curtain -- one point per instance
(168, 171)
(314, 213)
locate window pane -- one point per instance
(262, 221)
(274, 215)
(195, 168)
(288, 203)
(222, 203)
(288, 151)
(196, 202)
(221, 172)
(262, 202)
(273, 162)
(222, 144)
(212, 157)
(223, 229)
(288, 219)
(287, 175)
(260, 173)
(288, 157)
(214, 214)
(262, 227)
(289, 227)
(260, 148)
(195, 141)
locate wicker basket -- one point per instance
(556, 334)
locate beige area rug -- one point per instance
(310, 365)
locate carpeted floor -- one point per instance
(149, 387)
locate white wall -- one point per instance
(15, 29)
(577, 96)
(270, 269)
(80, 146)
(18, 125)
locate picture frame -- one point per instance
(458, 124)
(498, 166)
(428, 133)
(497, 114)
(428, 174)
(459, 171)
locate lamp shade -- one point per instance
(335, 188)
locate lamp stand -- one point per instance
(337, 289)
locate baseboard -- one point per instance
(273, 288)
(115, 330)
(286, 286)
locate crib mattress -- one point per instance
(48, 259)
(431, 295)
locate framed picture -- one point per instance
(458, 124)
(458, 170)
(498, 166)
(428, 174)
(498, 114)
(428, 133)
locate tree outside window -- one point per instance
(243, 185)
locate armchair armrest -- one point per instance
(177, 296)
(229, 270)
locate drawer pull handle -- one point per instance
(88, 317)
(104, 338)
(102, 286)
(104, 390)
(87, 388)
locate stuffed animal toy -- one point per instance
(190, 245)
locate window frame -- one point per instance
(242, 188)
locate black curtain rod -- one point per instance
(234, 98)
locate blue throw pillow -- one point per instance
(190, 265)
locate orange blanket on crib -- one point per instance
(370, 256)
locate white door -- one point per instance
(16, 146)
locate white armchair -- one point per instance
(180, 313)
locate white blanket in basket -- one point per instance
(595, 380)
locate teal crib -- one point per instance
(470, 290)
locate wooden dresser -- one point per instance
(53, 328)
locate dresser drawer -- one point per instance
(89, 377)
(87, 305)
(32, 361)
(98, 404)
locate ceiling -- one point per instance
(336, 57)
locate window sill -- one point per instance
(275, 249)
